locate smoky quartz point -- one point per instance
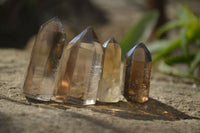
(80, 69)
(137, 74)
(41, 74)
(109, 85)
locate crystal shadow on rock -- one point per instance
(40, 77)
(80, 69)
(109, 86)
(150, 110)
(137, 70)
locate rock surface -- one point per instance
(17, 115)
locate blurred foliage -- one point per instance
(140, 31)
(182, 48)
(187, 41)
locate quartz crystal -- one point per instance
(40, 78)
(80, 69)
(137, 74)
(109, 86)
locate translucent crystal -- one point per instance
(109, 86)
(137, 74)
(40, 79)
(80, 69)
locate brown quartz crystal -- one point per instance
(40, 78)
(137, 74)
(109, 86)
(80, 69)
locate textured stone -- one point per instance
(40, 78)
(137, 74)
(109, 87)
(80, 69)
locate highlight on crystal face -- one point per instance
(137, 74)
(109, 86)
(80, 69)
(40, 77)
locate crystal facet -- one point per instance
(80, 69)
(137, 74)
(40, 78)
(109, 85)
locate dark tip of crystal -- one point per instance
(111, 40)
(89, 35)
(140, 45)
(52, 20)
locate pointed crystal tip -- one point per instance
(111, 40)
(140, 45)
(53, 20)
(88, 35)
